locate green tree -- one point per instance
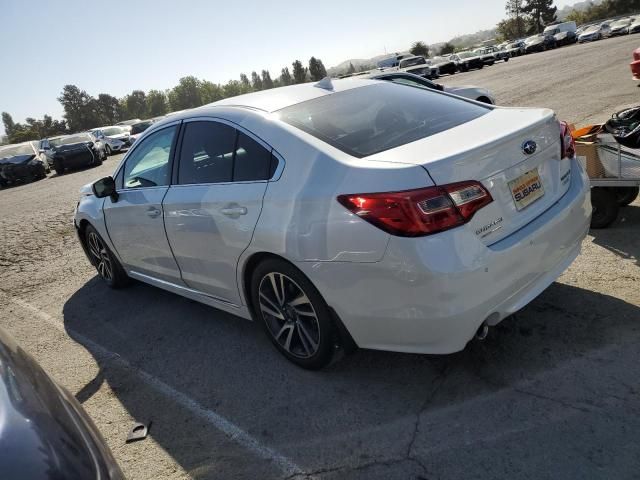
(256, 81)
(80, 109)
(108, 109)
(267, 82)
(210, 92)
(246, 85)
(156, 103)
(447, 48)
(516, 13)
(419, 49)
(542, 12)
(9, 124)
(135, 105)
(232, 88)
(316, 69)
(299, 72)
(186, 94)
(285, 77)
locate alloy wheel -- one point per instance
(100, 256)
(289, 315)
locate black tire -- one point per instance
(506, 59)
(107, 265)
(605, 207)
(626, 195)
(97, 162)
(307, 327)
(107, 150)
(58, 167)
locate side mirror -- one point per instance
(105, 187)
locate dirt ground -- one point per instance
(553, 393)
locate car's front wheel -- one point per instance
(107, 150)
(107, 265)
(293, 313)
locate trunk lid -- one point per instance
(490, 150)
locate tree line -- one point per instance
(83, 111)
(604, 10)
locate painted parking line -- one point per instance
(235, 433)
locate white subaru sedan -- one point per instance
(353, 212)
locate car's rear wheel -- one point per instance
(293, 313)
(58, 167)
(107, 150)
(605, 207)
(626, 195)
(106, 264)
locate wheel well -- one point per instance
(484, 100)
(345, 339)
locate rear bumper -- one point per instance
(431, 294)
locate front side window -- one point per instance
(148, 164)
(366, 120)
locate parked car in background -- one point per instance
(564, 33)
(594, 32)
(418, 66)
(488, 53)
(115, 138)
(620, 27)
(20, 163)
(634, 26)
(45, 434)
(398, 202)
(635, 64)
(515, 49)
(129, 122)
(466, 61)
(487, 58)
(70, 151)
(473, 93)
(539, 43)
(445, 65)
(390, 62)
(138, 128)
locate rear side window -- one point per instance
(207, 153)
(214, 152)
(252, 161)
(371, 119)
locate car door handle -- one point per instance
(233, 211)
(153, 212)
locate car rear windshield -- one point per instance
(139, 127)
(70, 140)
(15, 150)
(374, 118)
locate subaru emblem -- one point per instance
(529, 147)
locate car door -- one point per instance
(213, 205)
(135, 220)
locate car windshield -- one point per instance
(410, 62)
(70, 140)
(466, 54)
(15, 150)
(620, 23)
(112, 131)
(592, 28)
(535, 38)
(367, 120)
(440, 60)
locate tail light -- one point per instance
(567, 144)
(424, 211)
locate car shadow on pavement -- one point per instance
(623, 236)
(361, 408)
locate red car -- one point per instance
(635, 65)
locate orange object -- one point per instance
(586, 131)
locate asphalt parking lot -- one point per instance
(553, 393)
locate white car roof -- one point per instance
(278, 98)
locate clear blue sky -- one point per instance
(118, 46)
